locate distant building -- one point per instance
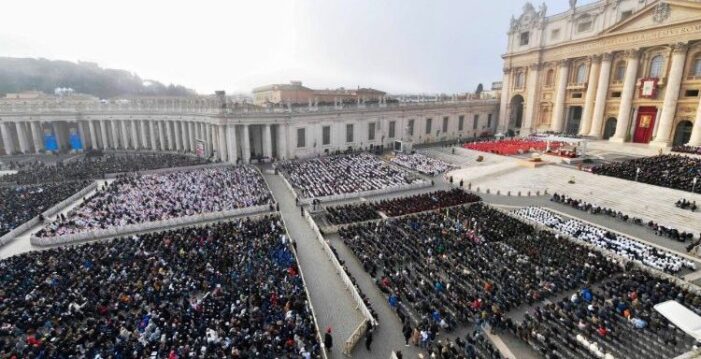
(296, 94)
(25, 95)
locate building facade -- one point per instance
(622, 70)
(212, 127)
(295, 93)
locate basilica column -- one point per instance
(558, 120)
(246, 148)
(35, 127)
(282, 141)
(81, 133)
(231, 143)
(103, 134)
(93, 135)
(221, 133)
(504, 106)
(671, 95)
(531, 97)
(695, 139)
(7, 140)
(601, 91)
(590, 96)
(267, 142)
(21, 133)
(115, 135)
(631, 77)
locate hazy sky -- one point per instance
(393, 45)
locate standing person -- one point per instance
(328, 340)
(368, 337)
(407, 333)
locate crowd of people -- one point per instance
(422, 164)
(607, 240)
(613, 320)
(364, 211)
(513, 146)
(19, 204)
(333, 175)
(226, 290)
(660, 230)
(687, 149)
(468, 264)
(94, 167)
(146, 198)
(686, 204)
(673, 171)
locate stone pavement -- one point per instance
(333, 304)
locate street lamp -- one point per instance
(637, 172)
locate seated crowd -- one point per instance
(469, 264)
(95, 167)
(138, 199)
(687, 149)
(19, 204)
(613, 320)
(602, 238)
(422, 163)
(400, 206)
(333, 175)
(224, 290)
(659, 229)
(673, 171)
(513, 146)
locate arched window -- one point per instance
(549, 77)
(620, 71)
(656, 66)
(581, 74)
(696, 70)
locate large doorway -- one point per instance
(682, 134)
(609, 128)
(574, 118)
(644, 124)
(516, 112)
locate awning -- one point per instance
(682, 317)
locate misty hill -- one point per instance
(25, 74)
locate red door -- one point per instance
(644, 124)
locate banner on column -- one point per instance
(50, 142)
(74, 138)
(200, 149)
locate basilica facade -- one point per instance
(622, 70)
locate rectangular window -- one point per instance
(584, 26)
(555, 34)
(489, 120)
(391, 128)
(445, 124)
(616, 94)
(525, 36)
(371, 131)
(349, 132)
(326, 135)
(626, 14)
(461, 122)
(428, 125)
(301, 141)
(476, 122)
(691, 93)
(411, 128)
(577, 95)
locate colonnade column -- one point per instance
(134, 134)
(558, 114)
(103, 134)
(161, 136)
(209, 141)
(93, 135)
(601, 91)
(503, 109)
(267, 142)
(144, 134)
(7, 140)
(671, 96)
(592, 85)
(125, 134)
(115, 134)
(246, 147)
(186, 139)
(282, 142)
(231, 143)
(23, 145)
(169, 135)
(35, 127)
(531, 97)
(631, 77)
(178, 137)
(81, 133)
(191, 135)
(221, 132)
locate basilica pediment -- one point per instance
(658, 14)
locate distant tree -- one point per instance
(479, 89)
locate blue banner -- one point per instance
(76, 144)
(50, 143)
